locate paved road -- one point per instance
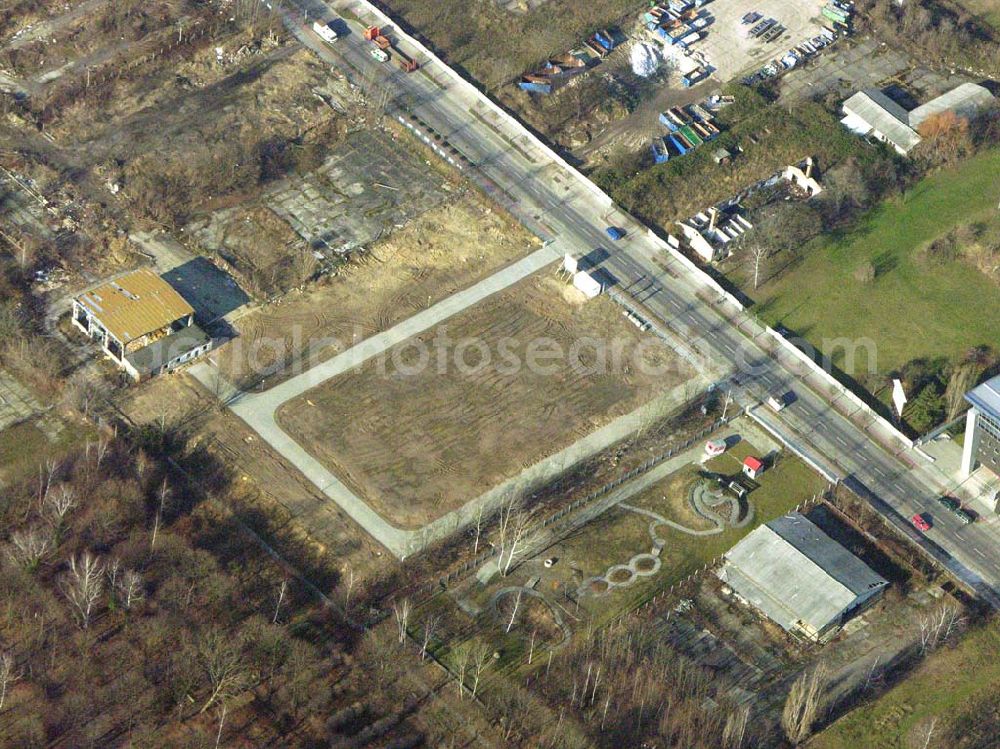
(551, 198)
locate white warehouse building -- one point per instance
(799, 577)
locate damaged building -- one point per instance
(141, 323)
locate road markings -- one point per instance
(979, 553)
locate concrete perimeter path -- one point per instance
(259, 410)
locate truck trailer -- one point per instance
(325, 31)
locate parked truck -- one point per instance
(325, 31)
(696, 75)
(406, 63)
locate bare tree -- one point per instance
(222, 722)
(48, 472)
(350, 587)
(479, 530)
(802, 705)
(7, 676)
(28, 548)
(463, 653)
(758, 253)
(103, 445)
(481, 656)
(281, 598)
(430, 624)
(938, 626)
(163, 494)
(59, 502)
(222, 660)
(928, 733)
(83, 585)
(513, 614)
(112, 572)
(401, 610)
(511, 530)
(726, 402)
(130, 589)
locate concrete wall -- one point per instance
(521, 131)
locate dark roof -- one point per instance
(836, 561)
(150, 358)
(796, 574)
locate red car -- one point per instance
(920, 523)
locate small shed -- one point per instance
(753, 467)
(722, 156)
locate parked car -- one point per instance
(949, 503)
(615, 233)
(779, 399)
(920, 523)
(953, 506)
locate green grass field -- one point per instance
(959, 686)
(988, 10)
(913, 308)
(618, 534)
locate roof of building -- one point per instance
(796, 574)
(986, 397)
(151, 358)
(753, 463)
(964, 100)
(884, 115)
(135, 304)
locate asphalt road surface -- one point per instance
(556, 203)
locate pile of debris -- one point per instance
(562, 67)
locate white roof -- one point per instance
(964, 100)
(796, 574)
(856, 125)
(883, 115)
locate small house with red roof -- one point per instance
(753, 467)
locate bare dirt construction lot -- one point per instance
(367, 187)
(437, 254)
(417, 444)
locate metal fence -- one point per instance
(486, 554)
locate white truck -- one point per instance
(325, 31)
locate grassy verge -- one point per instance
(914, 308)
(958, 686)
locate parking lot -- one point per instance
(851, 66)
(728, 46)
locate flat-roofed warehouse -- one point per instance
(142, 323)
(799, 577)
